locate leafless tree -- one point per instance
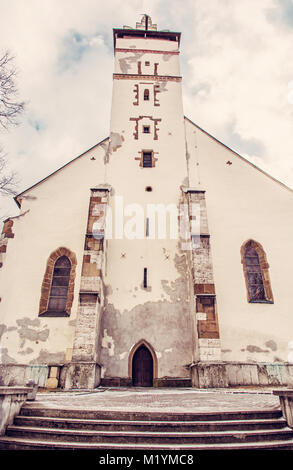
(8, 178)
(10, 111)
(10, 108)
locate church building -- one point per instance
(159, 257)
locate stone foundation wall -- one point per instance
(21, 374)
(232, 374)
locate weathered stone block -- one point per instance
(286, 402)
(85, 375)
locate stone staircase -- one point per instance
(49, 429)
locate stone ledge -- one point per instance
(284, 392)
(14, 390)
(219, 374)
(286, 402)
(11, 401)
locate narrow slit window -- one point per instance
(146, 95)
(145, 278)
(147, 227)
(147, 159)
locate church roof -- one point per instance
(145, 28)
(239, 156)
(104, 140)
(56, 171)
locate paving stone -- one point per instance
(144, 399)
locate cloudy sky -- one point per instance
(236, 62)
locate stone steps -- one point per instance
(10, 443)
(141, 437)
(138, 426)
(45, 428)
(30, 410)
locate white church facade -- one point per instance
(159, 257)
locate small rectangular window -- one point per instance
(146, 95)
(147, 63)
(146, 129)
(147, 159)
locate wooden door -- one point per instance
(142, 368)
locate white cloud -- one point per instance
(241, 66)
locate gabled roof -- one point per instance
(238, 155)
(187, 119)
(56, 171)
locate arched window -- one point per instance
(256, 272)
(58, 284)
(146, 95)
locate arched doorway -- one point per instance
(142, 367)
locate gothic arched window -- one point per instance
(58, 284)
(256, 272)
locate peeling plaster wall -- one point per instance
(127, 59)
(161, 316)
(56, 215)
(243, 203)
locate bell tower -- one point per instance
(149, 296)
(147, 139)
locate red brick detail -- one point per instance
(7, 229)
(6, 233)
(208, 328)
(204, 288)
(156, 129)
(47, 280)
(136, 95)
(156, 91)
(161, 78)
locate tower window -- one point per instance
(146, 95)
(147, 63)
(147, 159)
(146, 129)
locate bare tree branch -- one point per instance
(10, 109)
(8, 178)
